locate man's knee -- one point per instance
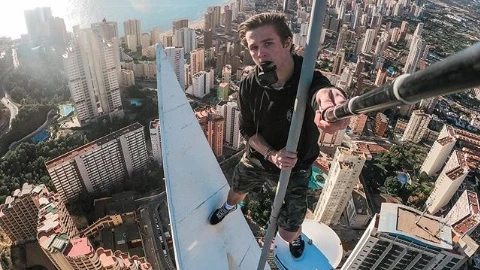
(288, 236)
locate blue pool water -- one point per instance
(66, 110)
(135, 102)
(40, 137)
(314, 183)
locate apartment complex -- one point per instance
(345, 169)
(156, 141)
(231, 114)
(381, 124)
(212, 125)
(176, 57)
(19, 213)
(416, 127)
(357, 123)
(105, 29)
(93, 71)
(448, 182)
(328, 142)
(464, 217)
(101, 164)
(439, 152)
(401, 237)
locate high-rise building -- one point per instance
(342, 36)
(156, 141)
(381, 76)
(357, 123)
(212, 125)
(382, 43)
(133, 27)
(99, 165)
(222, 91)
(448, 182)
(414, 55)
(357, 210)
(228, 20)
(439, 153)
(231, 114)
(202, 82)
(417, 127)
(368, 41)
(185, 38)
(131, 41)
(381, 124)
(145, 40)
(179, 24)
(128, 78)
(464, 217)
(105, 29)
(58, 31)
(227, 73)
(19, 213)
(401, 237)
(197, 60)
(329, 142)
(155, 34)
(37, 21)
(176, 57)
(338, 62)
(342, 176)
(93, 71)
(207, 39)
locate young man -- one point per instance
(265, 116)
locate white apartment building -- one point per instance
(368, 41)
(448, 182)
(197, 60)
(128, 78)
(400, 237)
(231, 114)
(439, 152)
(93, 72)
(133, 28)
(464, 217)
(176, 57)
(416, 127)
(156, 141)
(345, 169)
(185, 38)
(357, 211)
(100, 164)
(202, 82)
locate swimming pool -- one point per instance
(135, 102)
(317, 180)
(40, 137)
(66, 110)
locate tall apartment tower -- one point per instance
(185, 38)
(401, 237)
(417, 127)
(414, 55)
(357, 123)
(338, 62)
(176, 56)
(19, 213)
(342, 36)
(101, 164)
(448, 182)
(345, 169)
(197, 60)
(133, 27)
(93, 72)
(381, 124)
(231, 114)
(37, 21)
(179, 24)
(368, 41)
(439, 152)
(464, 217)
(105, 29)
(228, 20)
(156, 141)
(212, 125)
(202, 82)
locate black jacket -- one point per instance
(269, 112)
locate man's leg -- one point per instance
(293, 211)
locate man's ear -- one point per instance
(287, 43)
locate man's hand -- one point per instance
(327, 98)
(284, 159)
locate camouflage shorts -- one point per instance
(248, 176)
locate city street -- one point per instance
(5, 99)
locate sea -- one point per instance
(152, 13)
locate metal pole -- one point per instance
(453, 74)
(285, 6)
(308, 66)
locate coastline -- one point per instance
(197, 24)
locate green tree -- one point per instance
(393, 186)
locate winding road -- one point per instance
(5, 100)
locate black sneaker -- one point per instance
(297, 247)
(219, 214)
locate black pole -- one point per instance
(453, 74)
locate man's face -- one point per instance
(264, 44)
